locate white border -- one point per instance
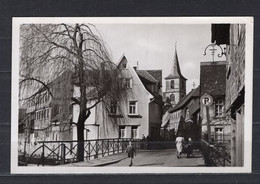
(134, 20)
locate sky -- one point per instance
(153, 46)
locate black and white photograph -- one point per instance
(132, 95)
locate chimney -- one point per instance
(136, 67)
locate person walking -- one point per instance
(189, 148)
(130, 151)
(179, 145)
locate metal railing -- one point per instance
(62, 152)
(216, 153)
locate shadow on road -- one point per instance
(150, 164)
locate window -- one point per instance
(133, 107)
(55, 110)
(122, 132)
(218, 134)
(167, 85)
(40, 99)
(44, 113)
(172, 97)
(127, 83)
(47, 113)
(113, 108)
(172, 84)
(134, 132)
(219, 109)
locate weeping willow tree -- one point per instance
(60, 56)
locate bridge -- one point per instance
(101, 152)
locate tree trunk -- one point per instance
(80, 138)
(83, 100)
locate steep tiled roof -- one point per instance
(146, 75)
(157, 74)
(184, 100)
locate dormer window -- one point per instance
(127, 83)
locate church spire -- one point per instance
(175, 68)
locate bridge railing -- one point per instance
(62, 152)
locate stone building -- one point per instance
(213, 83)
(233, 35)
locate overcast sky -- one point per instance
(153, 46)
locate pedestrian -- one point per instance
(189, 147)
(179, 145)
(130, 151)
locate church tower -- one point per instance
(175, 83)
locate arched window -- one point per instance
(172, 97)
(172, 84)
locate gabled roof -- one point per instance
(146, 75)
(157, 74)
(185, 99)
(175, 70)
(132, 71)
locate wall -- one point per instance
(155, 119)
(235, 90)
(236, 63)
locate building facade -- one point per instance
(235, 90)
(213, 83)
(48, 115)
(139, 114)
(233, 36)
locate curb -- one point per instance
(108, 162)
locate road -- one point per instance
(161, 158)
